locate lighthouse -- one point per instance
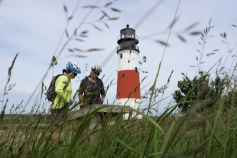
(128, 82)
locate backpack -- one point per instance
(51, 94)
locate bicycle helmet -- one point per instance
(73, 67)
(96, 68)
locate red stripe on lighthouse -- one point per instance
(128, 85)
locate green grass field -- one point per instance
(197, 134)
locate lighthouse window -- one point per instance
(129, 31)
(121, 56)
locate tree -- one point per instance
(199, 90)
(188, 91)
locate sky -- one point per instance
(36, 31)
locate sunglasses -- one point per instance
(75, 74)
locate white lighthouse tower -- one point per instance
(128, 82)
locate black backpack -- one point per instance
(51, 94)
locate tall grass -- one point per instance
(196, 134)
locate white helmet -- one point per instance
(96, 68)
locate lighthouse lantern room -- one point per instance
(128, 82)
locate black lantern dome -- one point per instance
(127, 39)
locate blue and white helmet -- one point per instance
(73, 67)
(96, 68)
